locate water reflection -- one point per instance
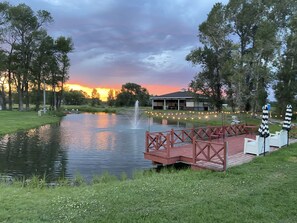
(27, 153)
(86, 143)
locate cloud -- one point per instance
(138, 41)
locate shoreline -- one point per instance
(14, 121)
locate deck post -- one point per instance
(172, 137)
(157, 142)
(208, 151)
(146, 141)
(225, 156)
(168, 145)
(194, 149)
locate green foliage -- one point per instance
(124, 176)
(242, 46)
(111, 98)
(35, 182)
(211, 80)
(86, 108)
(286, 87)
(74, 97)
(130, 93)
(33, 58)
(95, 100)
(104, 178)
(78, 180)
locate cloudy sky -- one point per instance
(120, 41)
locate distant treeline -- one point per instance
(127, 96)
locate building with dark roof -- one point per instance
(181, 100)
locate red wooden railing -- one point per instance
(210, 152)
(158, 142)
(164, 140)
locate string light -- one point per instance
(192, 115)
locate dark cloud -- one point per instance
(117, 41)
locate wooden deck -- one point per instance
(184, 154)
(205, 153)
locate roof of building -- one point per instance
(178, 94)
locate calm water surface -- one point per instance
(89, 144)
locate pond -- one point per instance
(88, 144)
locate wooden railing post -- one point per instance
(225, 156)
(208, 151)
(146, 141)
(157, 142)
(172, 137)
(168, 145)
(194, 142)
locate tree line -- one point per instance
(248, 47)
(126, 96)
(30, 58)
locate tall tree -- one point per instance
(286, 85)
(256, 35)
(41, 64)
(32, 56)
(3, 78)
(111, 97)
(242, 42)
(63, 47)
(95, 98)
(25, 25)
(8, 40)
(213, 33)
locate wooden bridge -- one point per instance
(213, 147)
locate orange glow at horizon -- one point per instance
(158, 89)
(152, 89)
(102, 91)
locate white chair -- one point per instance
(235, 120)
(279, 139)
(256, 146)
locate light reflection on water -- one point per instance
(89, 144)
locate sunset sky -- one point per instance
(120, 41)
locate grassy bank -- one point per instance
(261, 191)
(12, 121)
(87, 108)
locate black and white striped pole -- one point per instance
(288, 121)
(264, 128)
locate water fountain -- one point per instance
(136, 115)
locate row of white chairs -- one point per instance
(278, 139)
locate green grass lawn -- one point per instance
(12, 121)
(261, 191)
